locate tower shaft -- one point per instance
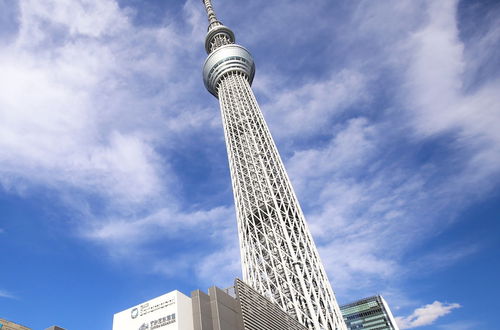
(279, 258)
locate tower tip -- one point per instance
(212, 17)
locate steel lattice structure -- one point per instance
(279, 258)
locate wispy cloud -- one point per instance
(112, 104)
(426, 315)
(438, 96)
(369, 197)
(89, 114)
(59, 135)
(6, 294)
(313, 105)
(164, 223)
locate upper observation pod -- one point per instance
(224, 55)
(224, 60)
(218, 36)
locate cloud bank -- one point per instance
(386, 131)
(93, 108)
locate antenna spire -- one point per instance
(212, 18)
(218, 35)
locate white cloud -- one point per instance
(88, 100)
(426, 315)
(360, 224)
(368, 201)
(308, 109)
(437, 95)
(353, 144)
(73, 108)
(163, 223)
(87, 18)
(91, 107)
(54, 129)
(8, 295)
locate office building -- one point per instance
(370, 313)
(279, 258)
(171, 311)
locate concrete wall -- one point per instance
(259, 313)
(246, 310)
(215, 311)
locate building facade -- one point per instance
(239, 308)
(9, 325)
(370, 313)
(171, 311)
(278, 255)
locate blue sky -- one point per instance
(114, 183)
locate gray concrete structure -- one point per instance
(238, 308)
(215, 311)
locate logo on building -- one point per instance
(134, 313)
(144, 326)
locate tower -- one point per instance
(279, 258)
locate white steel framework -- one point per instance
(279, 258)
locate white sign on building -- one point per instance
(171, 311)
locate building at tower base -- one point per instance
(237, 308)
(369, 313)
(171, 311)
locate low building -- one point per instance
(9, 325)
(237, 308)
(369, 313)
(171, 311)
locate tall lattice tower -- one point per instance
(279, 258)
